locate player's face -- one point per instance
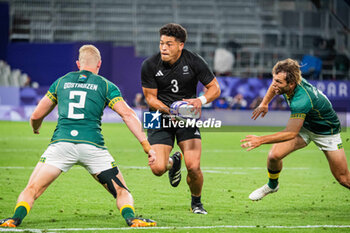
(280, 84)
(170, 49)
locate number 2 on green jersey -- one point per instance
(80, 104)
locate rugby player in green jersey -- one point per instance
(312, 119)
(81, 98)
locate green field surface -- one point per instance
(309, 199)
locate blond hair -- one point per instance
(89, 55)
(291, 68)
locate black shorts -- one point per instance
(167, 135)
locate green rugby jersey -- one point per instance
(312, 105)
(81, 98)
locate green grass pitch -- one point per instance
(308, 195)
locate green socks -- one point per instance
(127, 211)
(273, 178)
(21, 210)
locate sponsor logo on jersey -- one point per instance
(159, 73)
(74, 133)
(151, 120)
(185, 70)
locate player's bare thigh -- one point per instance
(43, 171)
(282, 149)
(192, 150)
(162, 158)
(42, 176)
(338, 165)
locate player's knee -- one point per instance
(110, 179)
(274, 156)
(158, 170)
(122, 192)
(193, 170)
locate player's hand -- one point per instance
(151, 157)
(251, 142)
(196, 103)
(261, 109)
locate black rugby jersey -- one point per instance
(178, 81)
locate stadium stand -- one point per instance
(258, 32)
(13, 78)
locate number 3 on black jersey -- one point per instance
(175, 87)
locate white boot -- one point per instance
(262, 192)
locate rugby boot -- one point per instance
(262, 192)
(140, 222)
(175, 172)
(10, 222)
(198, 209)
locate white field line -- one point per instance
(131, 150)
(168, 228)
(213, 170)
(34, 138)
(140, 150)
(144, 168)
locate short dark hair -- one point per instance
(174, 30)
(291, 68)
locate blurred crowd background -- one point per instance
(241, 40)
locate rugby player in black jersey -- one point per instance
(169, 76)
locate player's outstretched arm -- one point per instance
(291, 131)
(44, 107)
(153, 101)
(213, 92)
(263, 107)
(260, 110)
(133, 123)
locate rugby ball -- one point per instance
(183, 110)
